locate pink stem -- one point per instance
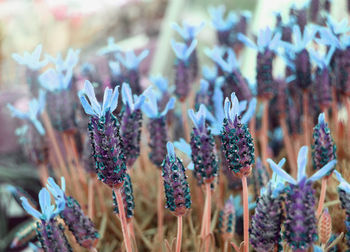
(208, 220)
(245, 214)
(322, 197)
(179, 234)
(123, 219)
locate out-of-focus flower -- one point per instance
(31, 60)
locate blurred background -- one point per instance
(87, 25)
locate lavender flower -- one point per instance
(157, 127)
(105, 138)
(183, 76)
(131, 122)
(110, 48)
(128, 199)
(177, 191)
(344, 196)
(266, 46)
(227, 219)
(322, 79)
(301, 224)
(60, 102)
(131, 62)
(323, 149)
(267, 219)
(203, 96)
(260, 177)
(164, 91)
(50, 233)
(203, 148)
(234, 81)
(223, 26)
(79, 224)
(300, 55)
(31, 60)
(188, 33)
(237, 143)
(117, 76)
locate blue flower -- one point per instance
(110, 48)
(36, 108)
(336, 27)
(115, 67)
(276, 183)
(300, 40)
(198, 118)
(130, 60)
(160, 82)
(239, 206)
(57, 192)
(182, 51)
(217, 17)
(322, 61)
(266, 40)
(150, 106)
(68, 64)
(185, 148)
(133, 102)
(54, 80)
(31, 60)
(48, 211)
(302, 162)
(231, 111)
(209, 74)
(228, 63)
(344, 185)
(93, 107)
(188, 32)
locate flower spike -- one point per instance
(188, 32)
(130, 60)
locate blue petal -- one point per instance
(127, 96)
(280, 172)
(16, 113)
(204, 85)
(250, 111)
(29, 209)
(191, 48)
(169, 105)
(323, 171)
(89, 91)
(50, 80)
(171, 150)
(302, 162)
(114, 99)
(180, 30)
(86, 106)
(45, 203)
(209, 74)
(190, 166)
(317, 248)
(242, 106)
(183, 146)
(160, 82)
(38, 126)
(321, 118)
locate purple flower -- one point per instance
(203, 148)
(177, 191)
(237, 143)
(227, 219)
(183, 68)
(105, 138)
(131, 122)
(301, 224)
(267, 220)
(314, 9)
(128, 198)
(78, 223)
(157, 127)
(323, 149)
(50, 233)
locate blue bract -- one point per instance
(31, 60)
(150, 106)
(183, 51)
(188, 32)
(130, 60)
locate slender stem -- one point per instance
(322, 197)
(264, 131)
(252, 129)
(160, 207)
(245, 214)
(122, 217)
(288, 144)
(208, 217)
(131, 229)
(347, 105)
(90, 198)
(306, 118)
(179, 234)
(204, 217)
(185, 121)
(93, 250)
(225, 245)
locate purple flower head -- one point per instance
(36, 108)
(300, 225)
(31, 60)
(188, 32)
(323, 149)
(128, 199)
(314, 9)
(227, 219)
(50, 233)
(260, 177)
(157, 127)
(105, 138)
(203, 148)
(267, 219)
(131, 122)
(130, 60)
(177, 191)
(237, 143)
(110, 48)
(78, 223)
